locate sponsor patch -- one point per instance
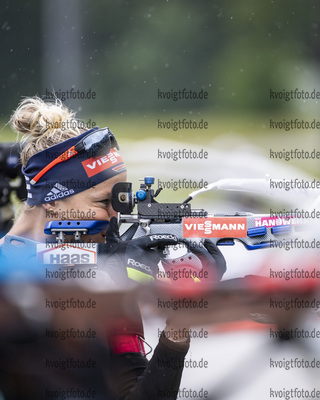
(62, 254)
(269, 222)
(95, 165)
(215, 227)
(135, 263)
(58, 192)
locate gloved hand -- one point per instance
(136, 259)
(201, 264)
(212, 259)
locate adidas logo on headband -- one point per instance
(57, 192)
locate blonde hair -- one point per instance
(43, 125)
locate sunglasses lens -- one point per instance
(95, 139)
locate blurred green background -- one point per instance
(125, 51)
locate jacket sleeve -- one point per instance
(134, 378)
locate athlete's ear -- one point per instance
(49, 206)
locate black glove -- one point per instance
(212, 260)
(202, 263)
(136, 259)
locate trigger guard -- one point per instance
(189, 260)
